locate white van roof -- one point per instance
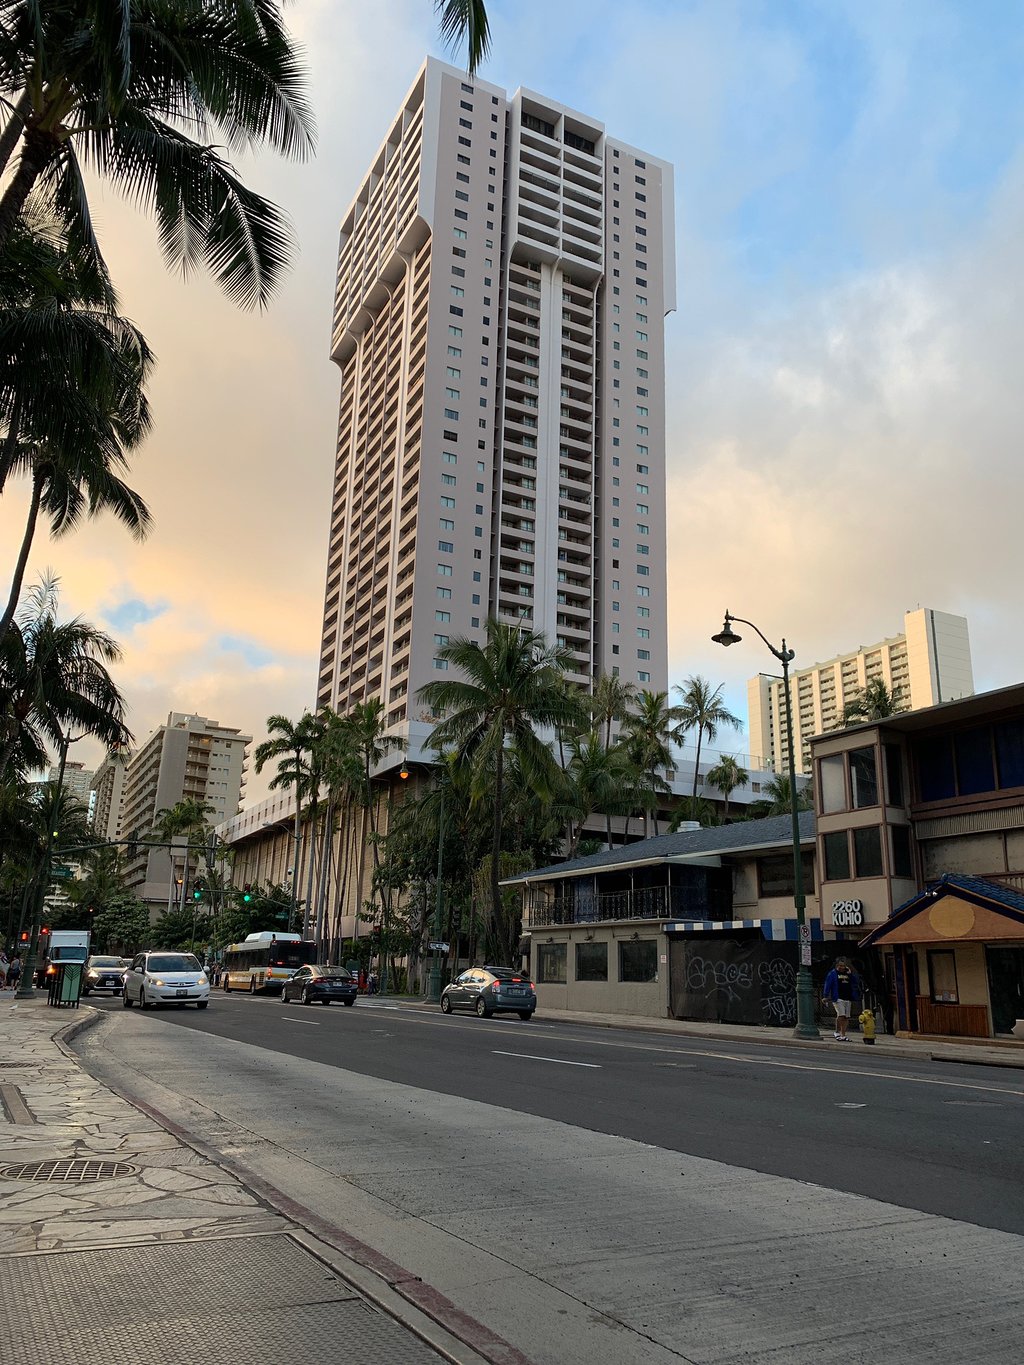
(268, 934)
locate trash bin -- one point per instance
(65, 985)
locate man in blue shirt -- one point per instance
(842, 987)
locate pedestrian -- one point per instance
(373, 983)
(14, 972)
(4, 964)
(842, 987)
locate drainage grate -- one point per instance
(20, 1066)
(76, 1172)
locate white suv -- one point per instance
(165, 978)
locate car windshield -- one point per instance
(335, 973)
(172, 962)
(104, 962)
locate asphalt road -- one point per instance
(935, 1138)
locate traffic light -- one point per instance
(197, 894)
(247, 894)
(44, 931)
(24, 936)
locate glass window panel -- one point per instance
(902, 863)
(1009, 738)
(832, 775)
(894, 774)
(942, 976)
(638, 961)
(975, 769)
(591, 962)
(867, 851)
(863, 778)
(551, 959)
(837, 856)
(934, 761)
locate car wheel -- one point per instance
(481, 1008)
(227, 984)
(446, 1005)
(252, 985)
(284, 995)
(85, 991)
(125, 1001)
(201, 1004)
(143, 1002)
(348, 1002)
(526, 1015)
(305, 995)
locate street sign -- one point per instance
(438, 947)
(60, 871)
(805, 933)
(805, 955)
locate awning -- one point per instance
(957, 909)
(775, 930)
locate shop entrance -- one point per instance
(1005, 986)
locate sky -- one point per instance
(844, 369)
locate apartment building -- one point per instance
(106, 790)
(503, 276)
(929, 662)
(188, 758)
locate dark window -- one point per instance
(975, 770)
(867, 851)
(894, 774)
(1009, 738)
(538, 125)
(591, 962)
(935, 777)
(775, 875)
(863, 778)
(551, 963)
(832, 784)
(638, 961)
(942, 976)
(902, 863)
(837, 856)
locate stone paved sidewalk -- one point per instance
(164, 1240)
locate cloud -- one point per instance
(133, 612)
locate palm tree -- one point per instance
(595, 777)
(186, 817)
(465, 20)
(289, 743)
(646, 734)
(610, 701)
(513, 684)
(875, 701)
(54, 679)
(776, 798)
(703, 710)
(142, 93)
(725, 777)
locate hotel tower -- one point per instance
(503, 276)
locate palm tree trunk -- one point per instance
(37, 148)
(496, 846)
(696, 772)
(23, 553)
(15, 126)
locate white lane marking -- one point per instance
(851, 1106)
(290, 1019)
(529, 1057)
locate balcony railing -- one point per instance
(649, 902)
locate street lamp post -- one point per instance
(805, 1025)
(434, 984)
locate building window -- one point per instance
(831, 783)
(551, 964)
(837, 856)
(445, 547)
(441, 665)
(591, 962)
(442, 616)
(642, 677)
(867, 851)
(863, 778)
(445, 570)
(942, 976)
(975, 768)
(894, 774)
(902, 862)
(775, 875)
(638, 961)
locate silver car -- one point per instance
(491, 990)
(166, 978)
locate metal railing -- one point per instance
(647, 903)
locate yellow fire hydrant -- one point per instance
(866, 1018)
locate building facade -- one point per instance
(928, 663)
(188, 758)
(107, 788)
(504, 271)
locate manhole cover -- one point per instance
(75, 1171)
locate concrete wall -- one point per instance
(611, 996)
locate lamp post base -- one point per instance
(805, 1025)
(434, 981)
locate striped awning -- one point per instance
(771, 929)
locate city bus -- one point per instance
(264, 961)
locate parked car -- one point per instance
(322, 983)
(163, 978)
(104, 974)
(491, 990)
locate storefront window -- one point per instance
(551, 963)
(591, 962)
(832, 780)
(867, 851)
(837, 856)
(863, 778)
(638, 961)
(942, 976)
(902, 863)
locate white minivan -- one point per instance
(166, 978)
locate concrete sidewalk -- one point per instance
(979, 1052)
(120, 1242)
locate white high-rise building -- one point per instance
(929, 662)
(504, 273)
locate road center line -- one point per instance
(560, 1061)
(290, 1019)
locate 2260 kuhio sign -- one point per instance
(847, 913)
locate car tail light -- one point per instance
(532, 986)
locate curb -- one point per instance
(64, 1035)
(461, 1327)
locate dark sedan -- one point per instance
(325, 984)
(491, 990)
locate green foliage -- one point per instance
(122, 926)
(875, 701)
